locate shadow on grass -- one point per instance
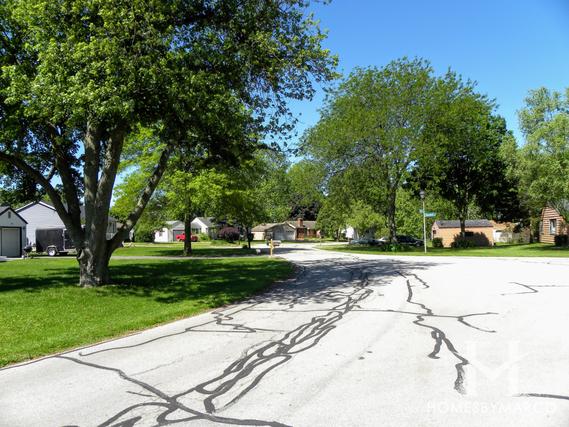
(209, 282)
(169, 251)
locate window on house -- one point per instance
(552, 226)
(9, 215)
(160, 233)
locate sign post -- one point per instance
(422, 194)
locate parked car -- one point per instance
(182, 237)
(409, 240)
(366, 241)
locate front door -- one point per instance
(11, 242)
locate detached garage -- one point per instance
(12, 232)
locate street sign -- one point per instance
(430, 214)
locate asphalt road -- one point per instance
(353, 341)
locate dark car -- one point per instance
(366, 241)
(409, 240)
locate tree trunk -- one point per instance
(188, 233)
(462, 220)
(391, 224)
(248, 235)
(94, 268)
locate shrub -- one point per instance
(203, 237)
(229, 234)
(144, 234)
(461, 243)
(245, 246)
(395, 247)
(561, 240)
(437, 242)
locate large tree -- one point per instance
(543, 161)
(79, 75)
(306, 191)
(371, 127)
(462, 157)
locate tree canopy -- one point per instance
(79, 76)
(544, 160)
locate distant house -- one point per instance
(479, 231)
(173, 229)
(276, 231)
(305, 229)
(288, 230)
(170, 232)
(510, 232)
(205, 225)
(12, 232)
(551, 225)
(44, 215)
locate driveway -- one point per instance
(352, 341)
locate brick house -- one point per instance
(551, 225)
(479, 231)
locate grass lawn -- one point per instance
(42, 311)
(213, 248)
(517, 250)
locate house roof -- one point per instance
(171, 224)
(263, 227)
(47, 205)
(469, 223)
(5, 208)
(50, 206)
(207, 221)
(268, 226)
(310, 225)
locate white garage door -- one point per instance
(10, 242)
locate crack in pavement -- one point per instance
(438, 335)
(245, 373)
(548, 396)
(219, 318)
(532, 289)
(171, 404)
(459, 319)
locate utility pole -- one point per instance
(422, 194)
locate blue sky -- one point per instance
(507, 46)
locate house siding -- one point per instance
(168, 234)
(7, 224)
(39, 216)
(448, 235)
(548, 214)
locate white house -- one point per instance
(204, 225)
(169, 233)
(350, 233)
(12, 232)
(44, 215)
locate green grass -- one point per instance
(517, 250)
(42, 311)
(213, 248)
